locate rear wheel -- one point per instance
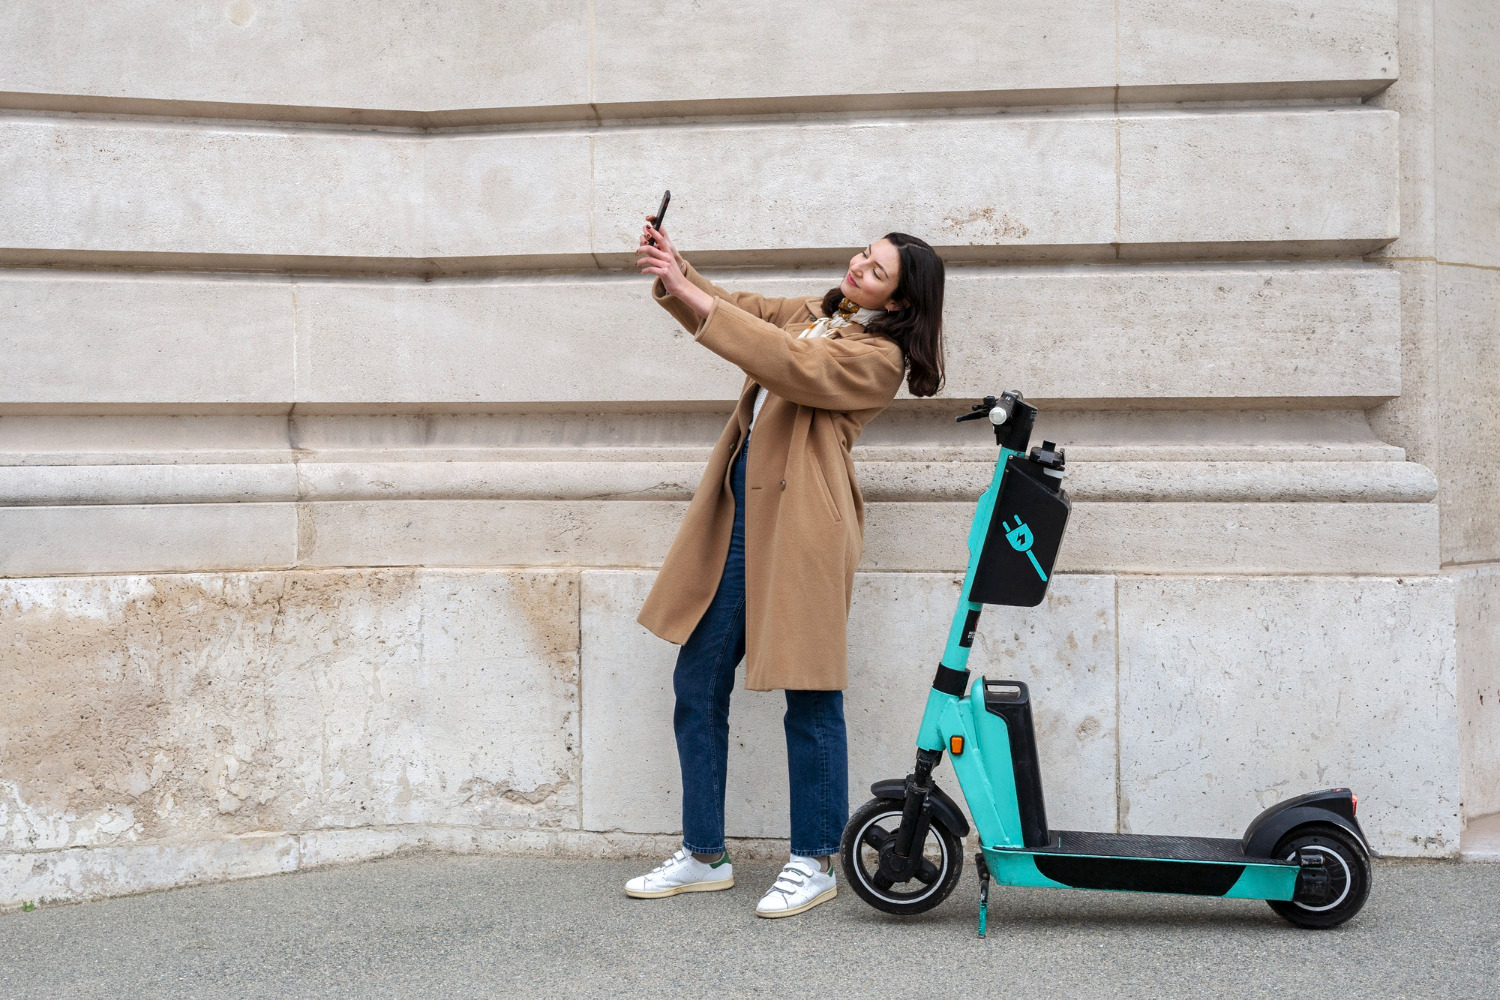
(870, 830)
(1348, 884)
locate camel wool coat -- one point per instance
(804, 516)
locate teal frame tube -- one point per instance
(930, 735)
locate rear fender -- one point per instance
(1334, 806)
(944, 809)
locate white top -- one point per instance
(821, 328)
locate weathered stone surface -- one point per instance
(1235, 694)
(1182, 538)
(320, 201)
(122, 538)
(144, 709)
(70, 339)
(762, 52)
(1468, 341)
(100, 186)
(407, 63)
(1476, 593)
(1163, 42)
(1271, 176)
(402, 55)
(1466, 93)
(70, 875)
(623, 479)
(1168, 332)
(1230, 537)
(898, 623)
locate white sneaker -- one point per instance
(800, 886)
(682, 873)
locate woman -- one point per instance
(763, 565)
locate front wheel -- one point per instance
(870, 828)
(1348, 881)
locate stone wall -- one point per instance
(338, 444)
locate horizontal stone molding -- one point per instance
(472, 62)
(1124, 537)
(1312, 333)
(880, 481)
(1073, 186)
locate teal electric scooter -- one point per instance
(902, 850)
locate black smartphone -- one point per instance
(661, 214)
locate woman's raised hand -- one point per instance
(663, 261)
(649, 232)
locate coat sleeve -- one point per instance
(777, 311)
(830, 373)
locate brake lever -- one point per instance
(979, 411)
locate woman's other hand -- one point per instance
(663, 261)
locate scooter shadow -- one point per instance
(1084, 910)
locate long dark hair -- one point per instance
(918, 325)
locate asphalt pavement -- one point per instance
(465, 926)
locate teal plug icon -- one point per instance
(1021, 540)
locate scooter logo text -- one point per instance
(1020, 539)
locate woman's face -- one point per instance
(871, 280)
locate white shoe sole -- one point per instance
(723, 883)
(822, 897)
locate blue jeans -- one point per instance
(816, 746)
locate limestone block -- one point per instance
(1468, 412)
(1316, 176)
(1477, 614)
(402, 55)
(141, 437)
(1385, 539)
(209, 190)
(1058, 186)
(750, 51)
(158, 483)
(1412, 98)
(897, 627)
(1411, 419)
(93, 191)
(407, 63)
(127, 340)
(1466, 92)
(1204, 331)
(487, 533)
(1276, 686)
(1125, 333)
(1295, 43)
(502, 340)
(880, 480)
(146, 709)
(39, 541)
(70, 876)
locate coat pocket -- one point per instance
(833, 508)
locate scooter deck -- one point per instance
(1140, 845)
(1197, 866)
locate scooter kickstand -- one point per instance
(984, 891)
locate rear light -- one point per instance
(1353, 803)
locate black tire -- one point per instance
(1348, 871)
(870, 826)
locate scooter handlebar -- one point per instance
(998, 410)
